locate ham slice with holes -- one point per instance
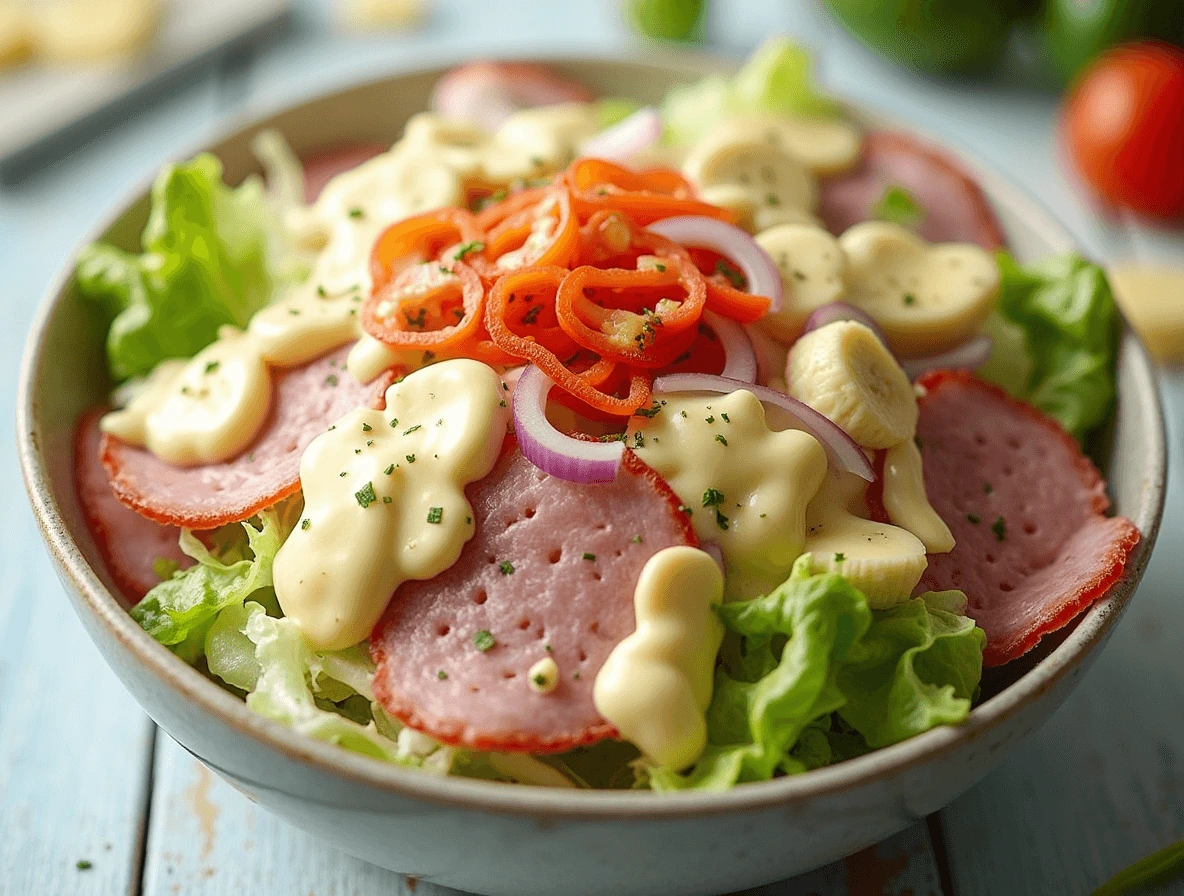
(129, 544)
(955, 209)
(306, 401)
(552, 564)
(1034, 548)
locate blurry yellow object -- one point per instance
(1152, 298)
(14, 34)
(375, 15)
(86, 30)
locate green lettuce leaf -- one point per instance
(778, 78)
(917, 667)
(1066, 312)
(204, 265)
(179, 612)
(816, 677)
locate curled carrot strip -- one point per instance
(493, 214)
(726, 287)
(646, 196)
(545, 281)
(429, 305)
(610, 239)
(545, 233)
(419, 239)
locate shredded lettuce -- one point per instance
(613, 109)
(1064, 363)
(204, 265)
(180, 611)
(813, 675)
(778, 78)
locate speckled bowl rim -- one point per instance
(551, 803)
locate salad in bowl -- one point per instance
(571, 443)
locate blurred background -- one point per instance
(1080, 103)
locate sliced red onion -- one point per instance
(627, 137)
(716, 552)
(968, 356)
(733, 243)
(842, 450)
(833, 311)
(739, 357)
(550, 450)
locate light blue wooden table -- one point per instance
(86, 778)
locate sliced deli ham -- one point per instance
(306, 401)
(954, 207)
(549, 572)
(1034, 548)
(129, 544)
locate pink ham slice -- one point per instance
(306, 401)
(129, 544)
(487, 93)
(955, 209)
(550, 572)
(1026, 508)
(323, 165)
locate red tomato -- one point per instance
(1123, 125)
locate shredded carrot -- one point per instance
(565, 276)
(419, 239)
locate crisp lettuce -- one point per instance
(1064, 362)
(816, 676)
(777, 78)
(180, 611)
(204, 265)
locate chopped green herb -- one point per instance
(366, 427)
(369, 442)
(386, 499)
(295, 312)
(974, 518)
(999, 527)
(506, 567)
(588, 556)
(442, 675)
(636, 539)
(713, 497)
(732, 275)
(682, 413)
(725, 416)
(484, 640)
(772, 199)
(394, 422)
(331, 380)
(719, 438)
(410, 458)
(321, 291)
(212, 366)
(548, 648)
(721, 520)
(686, 508)
(540, 680)
(532, 314)
(342, 474)
(390, 469)
(650, 411)
(305, 523)
(409, 430)
(840, 557)
(435, 515)
(910, 299)
(710, 418)
(638, 440)
(356, 213)
(576, 675)
(419, 320)
(502, 403)
(898, 206)
(365, 495)
(83, 865)
(987, 488)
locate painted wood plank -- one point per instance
(207, 839)
(75, 750)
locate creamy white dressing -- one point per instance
(200, 411)
(744, 485)
(883, 561)
(906, 501)
(926, 298)
(307, 322)
(384, 502)
(370, 358)
(656, 684)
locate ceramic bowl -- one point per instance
(502, 839)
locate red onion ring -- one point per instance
(739, 357)
(842, 450)
(833, 311)
(716, 552)
(627, 137)
(967, 356)
(550, 450)
(733, 243)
